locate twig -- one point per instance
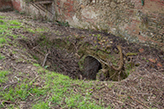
(7, 102)
(15, 68)
(45, 59)
(9, 85)
(113, 75)
(34, 79)
(47, 96)
(121, 60)
(31, 94)
(139, 102)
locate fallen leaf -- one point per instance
(36, 84)
(141, 50)
(159, 64)
(152, 60)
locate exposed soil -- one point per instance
(143, 88)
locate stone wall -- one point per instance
(18, 5)
(134, 20)
(6, 5)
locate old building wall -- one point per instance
(6, 5)
(134, 20)
(17, 5)
(20, 5)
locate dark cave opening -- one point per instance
(91, 67)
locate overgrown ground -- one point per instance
(25, 84)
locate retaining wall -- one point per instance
(135, 20)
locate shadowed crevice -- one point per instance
(91, 67)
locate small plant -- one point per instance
(41, 105)
(1, 21)
(66, 24)
(15, 22)
(22, 13)
(16, 11)
(40, 29)
(2, 57)
(14, 36)
(31, 30)
(2, 17)
(2, 40)
(99, 36)
(37, 65)
(46, 66)
(17, 27)
(3, 77)
(35, 57)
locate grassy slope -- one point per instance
(44, 90)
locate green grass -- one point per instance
(3, 76)
(41, 105)
(2, 21)
(31, 30)
(1, 57)
(2, 17)
(15, 22)
(2, 40)
(10, 34)
(37, 65)
(19, 92)
(5, 26)
(60, 87)
(57, 89)
(54, 90)
(40, 29)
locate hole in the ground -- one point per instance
(58, 60)
(91, 67)
(64, 61)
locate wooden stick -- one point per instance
(45, 59)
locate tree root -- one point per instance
(121, 60)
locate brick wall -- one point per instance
(17, 5)
(134, 20)
(6, 5)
